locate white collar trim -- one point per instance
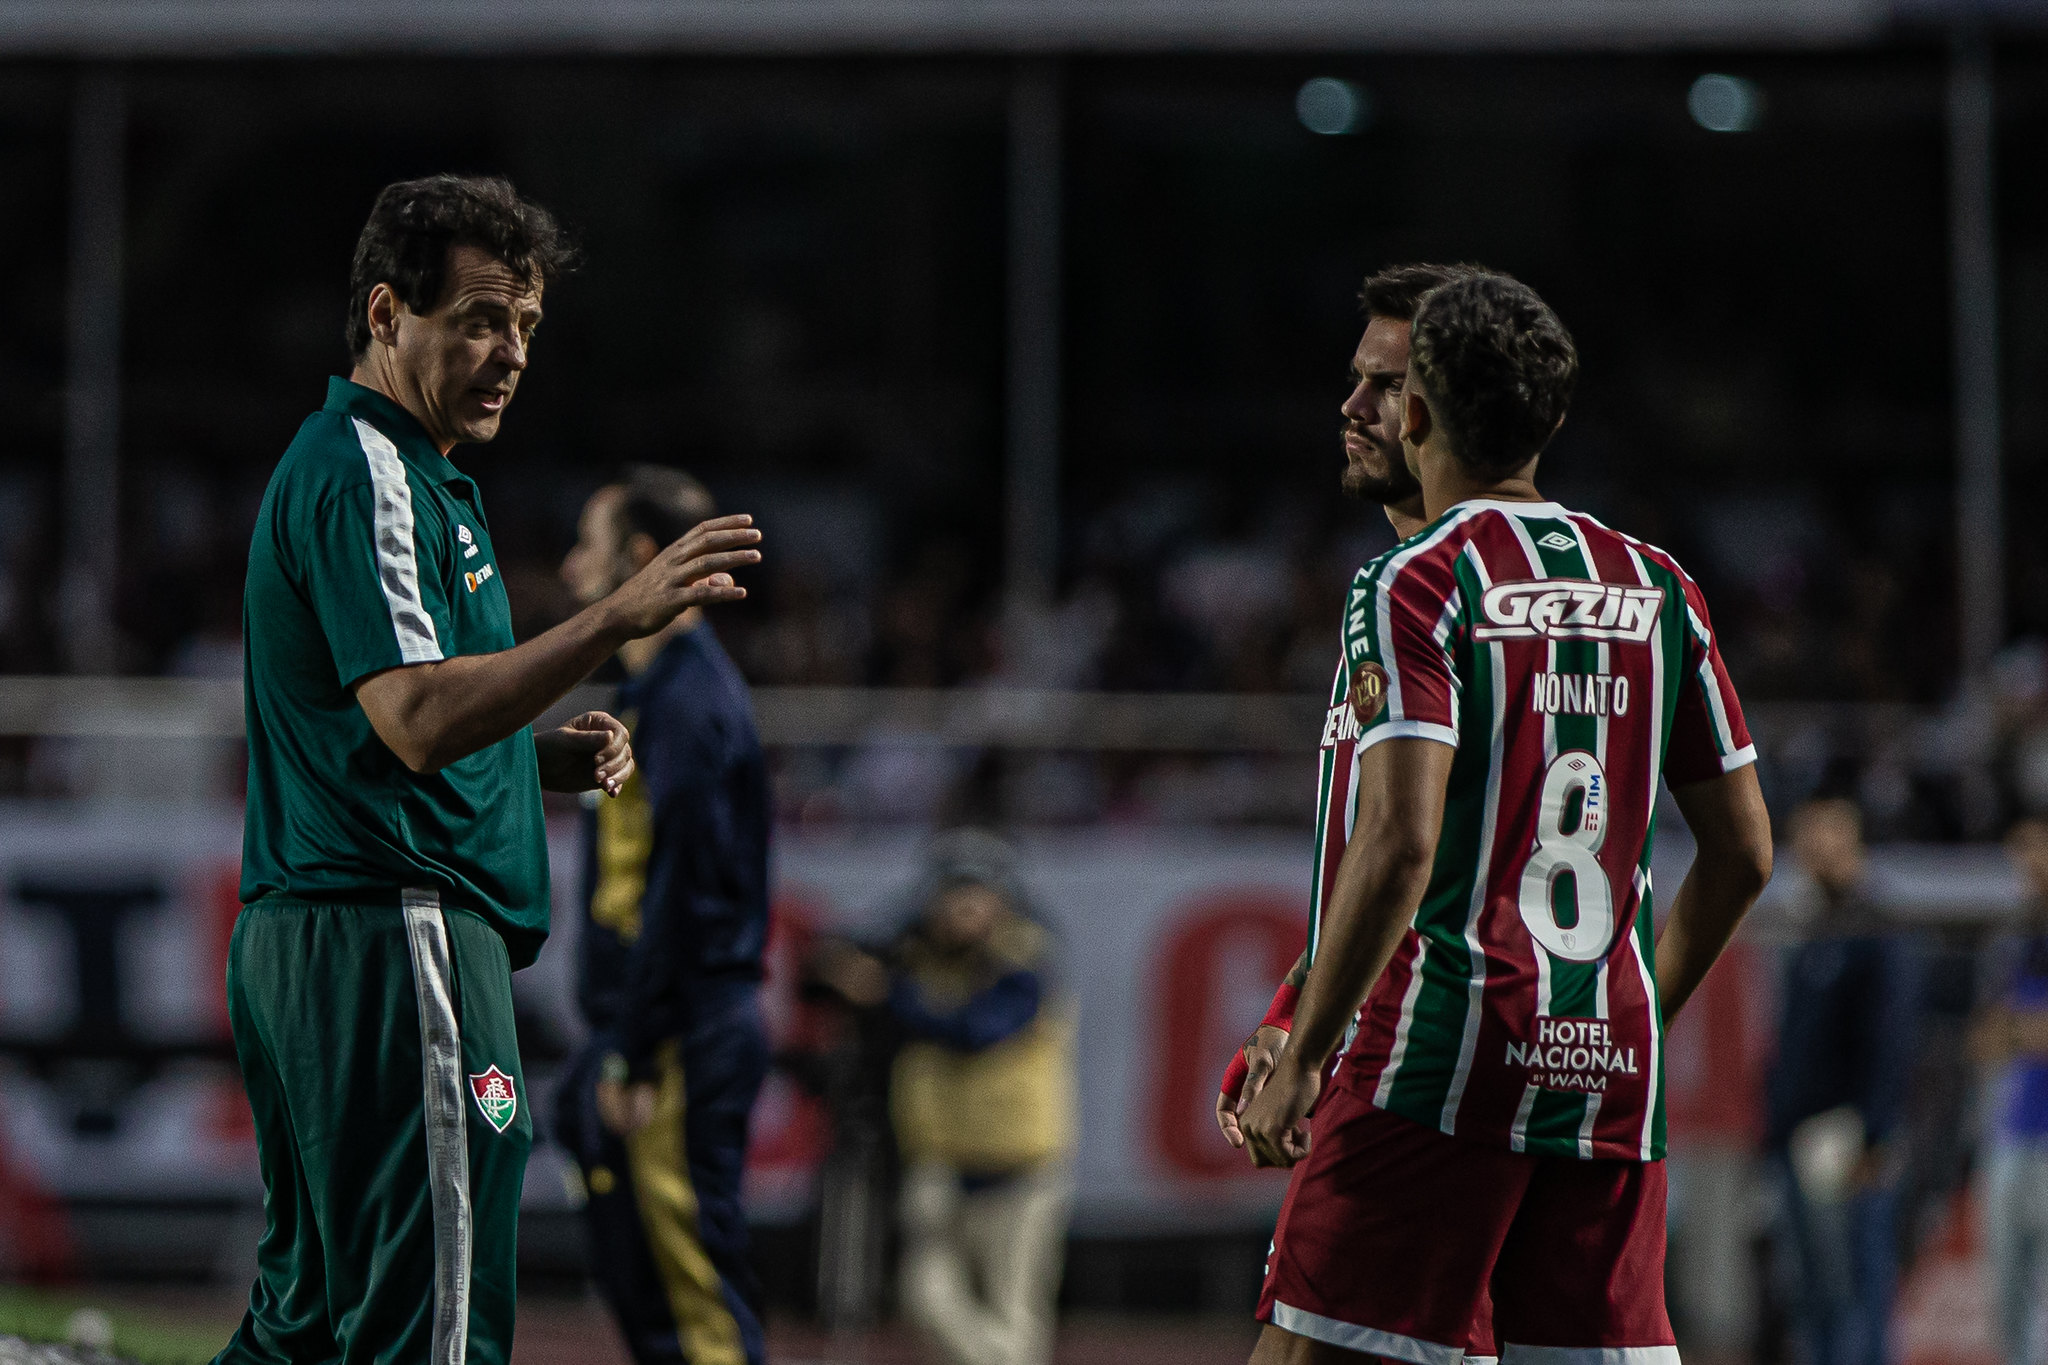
(1519, 509)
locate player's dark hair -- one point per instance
(413, 225)
(1498, 368)
(662, 503)
(1397, 291)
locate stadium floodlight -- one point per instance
(1725, 104)
(1332, 107)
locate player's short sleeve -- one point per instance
(378, 602)
(1708, 734)
(1401, 679)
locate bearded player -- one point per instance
(1374, 471)
(1522, 678)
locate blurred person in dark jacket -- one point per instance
(981, 1098)
(2009, 1037)
(1837, 1094)
(655, 1109)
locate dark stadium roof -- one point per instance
(197, 28)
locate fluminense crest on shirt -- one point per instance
(495, 1097)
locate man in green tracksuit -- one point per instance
(394, 864)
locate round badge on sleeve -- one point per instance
(1368, 690)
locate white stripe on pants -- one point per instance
(446, 1123)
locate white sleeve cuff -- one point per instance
(1408, 729)
(1741, 758)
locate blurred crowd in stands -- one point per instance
(1165, 590)
(1172, 588)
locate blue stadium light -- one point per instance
(1725, 104)
(1332, 107)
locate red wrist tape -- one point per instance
(1280, 1014)
(1234, 1075)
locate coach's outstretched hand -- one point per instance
(695, 571)
(1275, 1123)
(431, 714)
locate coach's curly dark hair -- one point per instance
(1498, 368)
(414, 223)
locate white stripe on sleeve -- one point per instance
(1407, 729)
(1383, 624)
(397, 567)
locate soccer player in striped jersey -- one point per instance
(1521, 679)
(1374, 471)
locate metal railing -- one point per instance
(966, 717)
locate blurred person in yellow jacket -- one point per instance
(982, 1101)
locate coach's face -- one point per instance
(463, 357)
(1374, 467)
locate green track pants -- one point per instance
(392, 1127)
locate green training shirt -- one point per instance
(371, 552)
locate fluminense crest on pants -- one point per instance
(495, 1097)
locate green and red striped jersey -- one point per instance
(1572, 668)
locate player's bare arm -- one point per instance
(1733, 831)
(433, 714)
(1380, 882)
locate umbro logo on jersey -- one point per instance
(462, 533)
(1569, 609)
(1558, 540)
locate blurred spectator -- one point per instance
(2010, 1037)
(982, 1099)
(1836, 1095)
(655, 1110)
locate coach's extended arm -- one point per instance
(432, 714)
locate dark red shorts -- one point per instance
(1394, 1237)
